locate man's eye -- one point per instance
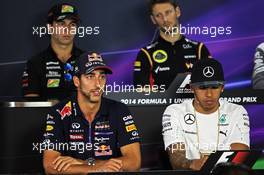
(60, 23)
(168, 12)
(158, 15)
(102, 77)
(73, 24)
(90, 77)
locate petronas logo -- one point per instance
(222, 119)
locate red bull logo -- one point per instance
(66, 110)
(104, 147)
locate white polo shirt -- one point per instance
(179, 125)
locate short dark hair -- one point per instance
(154, 2)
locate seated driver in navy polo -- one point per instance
(87, 132)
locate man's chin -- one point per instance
(95, 99)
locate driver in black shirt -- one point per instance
(171, 53)
(49, 74)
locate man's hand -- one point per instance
(111, 165)
(198, 163)
(62, 163)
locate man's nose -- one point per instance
(208, 92)
(164, 17)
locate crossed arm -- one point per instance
(178, 158)
(55, 163)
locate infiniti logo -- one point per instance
(208, 72)
(76, 125)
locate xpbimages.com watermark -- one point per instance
(211, 147)
(127, 88)
(79, 31)
(212, 31)
(79, 147)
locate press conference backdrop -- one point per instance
(124, 27)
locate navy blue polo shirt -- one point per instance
(68, 132)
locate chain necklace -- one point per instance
(197, 132)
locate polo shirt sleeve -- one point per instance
(127, 132)
(240, 132)
(54, 132)
(171, 128)
(258, 71)
(142, 68)
(31, 81)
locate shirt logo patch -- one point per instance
(101, 139)
(103, 133)
(66, 110)
(49, 128)
(137, 64)
(76, 137)
(102, 125)
(76, 125)
(130, 128)
(160, 56)
(67, 9)
(161, 69)
(103, 150)
(189, 119)
(222, 119)
(53, 83)
(189, 65)
(208, 71)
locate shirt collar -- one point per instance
(102, 112)
(75, 53)
(163, 41)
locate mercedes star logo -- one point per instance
(208, 72)
(189, 119)
(76, 125)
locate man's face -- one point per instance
(206, 99)
(63, 32)
(91, 86)
(165, 16)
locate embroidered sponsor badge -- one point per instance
(160, 56)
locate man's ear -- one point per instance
(192, 89)
(153, 19)
(222, 90)
(178, 11)
(76, 81)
